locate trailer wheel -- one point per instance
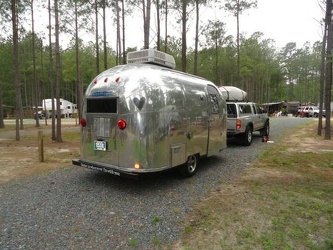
(190, 166)
(246, 138)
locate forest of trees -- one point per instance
(35, 66)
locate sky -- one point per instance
(283, 21)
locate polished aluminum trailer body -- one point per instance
(143, 118)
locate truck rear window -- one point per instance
(231, 109)
(102, 105)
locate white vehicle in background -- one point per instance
(313, 111)
(310, 111)
(67, 108)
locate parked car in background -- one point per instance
(309, 111)
(40, 115)
(314, 111)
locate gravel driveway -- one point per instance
(78, 208)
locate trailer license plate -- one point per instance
(100, 145)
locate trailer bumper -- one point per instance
(105, 169)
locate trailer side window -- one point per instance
(213, 99)
(214, 103)
(102, 105)
(245, 109)
(257, 109)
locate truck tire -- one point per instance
(190, 166)
(265, 130)
(246, 138)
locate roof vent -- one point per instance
(151, 56)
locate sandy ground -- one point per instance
(22, 158)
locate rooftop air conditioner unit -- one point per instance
(151, 56)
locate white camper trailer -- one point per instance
(67, 108)
(145, 117)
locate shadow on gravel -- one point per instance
(161, 180)
(233, 141)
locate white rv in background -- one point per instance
(67, 108)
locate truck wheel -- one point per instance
(265, 130)
(190, 166)
(246, 138)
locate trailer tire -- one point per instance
(190, 166)
(246, 138)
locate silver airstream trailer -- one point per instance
(146, 117)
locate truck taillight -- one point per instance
(238, 124)
(83, 122)
(121, 124)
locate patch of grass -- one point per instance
(176, 210)
(284, 201)
(133, 243)
(156, 241)
(156, 219)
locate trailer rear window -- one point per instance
(232, 111)
(102, 105)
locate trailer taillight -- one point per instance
(238, 124)
(121, 124)
(83, 122)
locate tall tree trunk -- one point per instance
(51, 75)
(79, 89)
(195, 71)
(34, 64)
(158, 9)
(104, 37)
(57, 50)
(166, 27)
(2, 124)
(328, 84)
(322, 81)
(124, 36)
(238, 48)
(146, 22)
(96, 37)
(184, 46)
(16, 69)
(216, 60)
(118, 44)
